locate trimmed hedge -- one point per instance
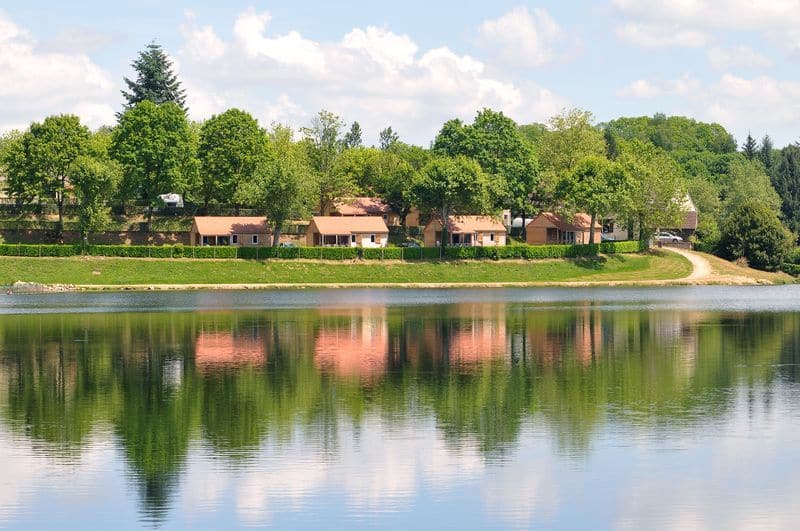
(525, 252)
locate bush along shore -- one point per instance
(519, 252)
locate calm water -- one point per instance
(595, 409)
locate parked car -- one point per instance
(288, 244)
(412, 245)
(607, 238)
(667, 237)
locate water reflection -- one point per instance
(294, 412)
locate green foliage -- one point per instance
(495, 142)
(675, 133)
(786, 179)
(230, 147)
(280, 187)
(387, 138)
(353, 138)
(657, 189)
(748, 181)
(154, 146)
(20, 249)
(750, 147)
(42, 163)
(766, 154)
(324, 146)
(752, 230)
(92, 179)
(596, 186)
(155, 80)
(569, 139)
(356, 171)
(450, 186)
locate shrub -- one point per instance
(752, 230)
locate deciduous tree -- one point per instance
(596, 186)
(153, 144)
(387, 138)
(41, 164)
(353, 138)
(230, 146)
(657, 189)
(280, 186)
(452, 185)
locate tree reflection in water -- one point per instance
(479, 371)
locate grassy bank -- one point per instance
(132, 271)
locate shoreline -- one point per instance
(399, 286)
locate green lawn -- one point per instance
(133, 271)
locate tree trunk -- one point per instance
(60, 203)
(149, 217)
(276, 234)
(592, 221)
(524, 228)
(445, 212)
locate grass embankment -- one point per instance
(725, 270)
(133, 272)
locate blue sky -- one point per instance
(413, 65)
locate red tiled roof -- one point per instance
(362, 206)
(461, 224)
(335, 225)
(580, 221)
(221, 226)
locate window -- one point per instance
(234, 239)
(372, 238)
(608, 226)
(254, 239)
(205, 240)
(223, 240)
(491, 236)
(352, 238)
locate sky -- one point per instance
(413, 65)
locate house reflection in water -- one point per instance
(468, 334)
(224, 349)
(353, 343)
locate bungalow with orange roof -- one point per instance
(467, 231)
(550, 228)
(237, 231)
(341, 231)
(371, 206)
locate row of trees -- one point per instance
(639, 169)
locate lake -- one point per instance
(662, 408)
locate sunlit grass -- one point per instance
(131, 271)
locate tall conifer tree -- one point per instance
(750, 148)
(155, 80)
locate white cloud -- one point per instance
(371, 74)
(685, 86)
(290, 49)
(641, 88)
(661, 36)
(382, 46)
(728, 14)
(738, 103)
(777, 20)
(522, 37)
(35, 83)
(200, 43)
(738, 56)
